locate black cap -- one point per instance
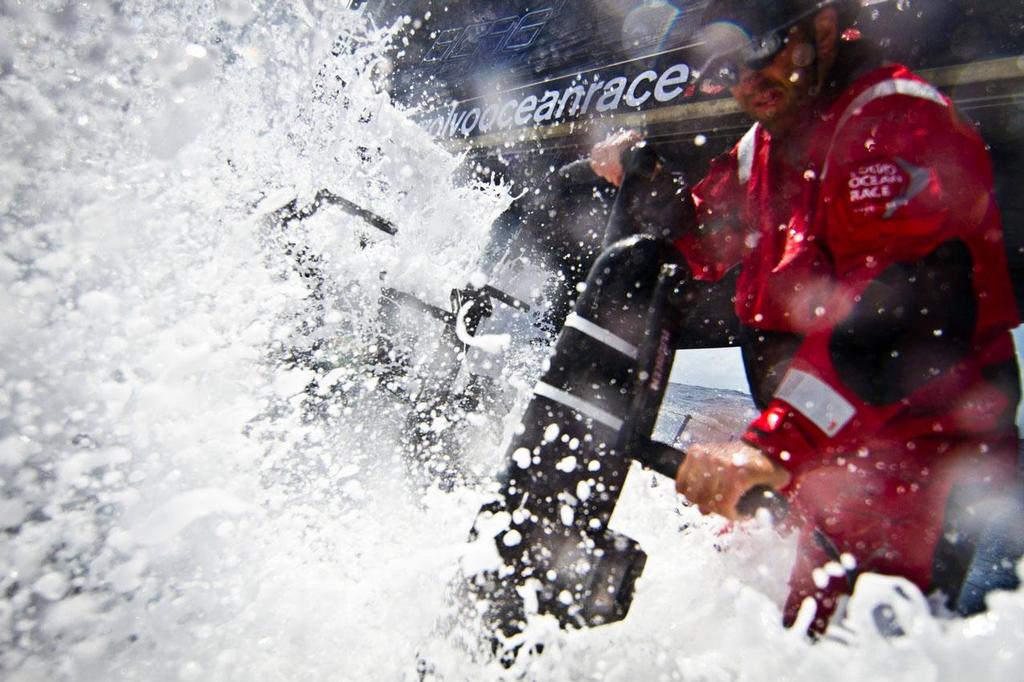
(752, 32)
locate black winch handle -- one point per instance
(507, 299)
(661, 458)
(641, 159)
(291, 211)
(578, 172)
(666, 460)
(763, 497)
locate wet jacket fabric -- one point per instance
(881, 247)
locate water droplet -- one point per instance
(512, 538)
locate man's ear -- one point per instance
(826, 33)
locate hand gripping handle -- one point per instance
(666, 460)
(641, 159)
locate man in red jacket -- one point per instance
(874, 297)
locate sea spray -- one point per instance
(176, 504)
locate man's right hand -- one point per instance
(606, 156)
(714, 476)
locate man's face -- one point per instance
(775, 94)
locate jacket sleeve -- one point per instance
(717, 243)
(905, 195)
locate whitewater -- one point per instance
(199, 482)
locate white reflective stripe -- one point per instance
(745, 154)
(816, 400)
(601, 334)
(578, 404)
(893, 86)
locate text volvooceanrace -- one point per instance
(507, 110)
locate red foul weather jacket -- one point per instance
(835, 249)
